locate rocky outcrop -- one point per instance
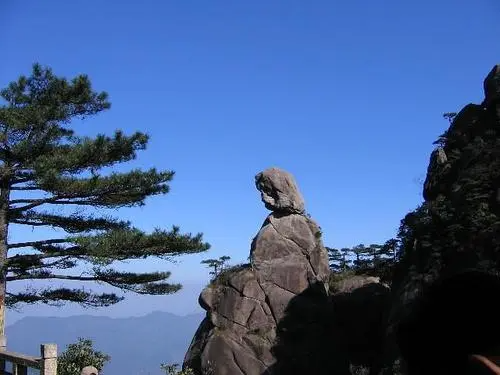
(457, 226)
(250, 307)
(360, 307)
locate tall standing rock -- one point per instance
(247, 305)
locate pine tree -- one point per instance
(44, 165)
(385, 259)
(338, 259)
(334, 258)
(375, 256)
(217, 265)
(346, 263)
(362, 261)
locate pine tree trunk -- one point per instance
(4, 228)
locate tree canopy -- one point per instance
(51, 177)
(375, 260)
(79, 355)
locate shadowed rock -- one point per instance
(492, 86)
(459, 188)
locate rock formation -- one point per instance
(249, 307)
(457, 226)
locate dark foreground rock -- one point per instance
(458, 225)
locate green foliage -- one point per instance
(450, 116)
(374, 260)
(51, 177)
(79, 355)
(217, 265)
(174, 370)
(224, 275)
(335, 277)
(339, 259)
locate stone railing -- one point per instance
(46, 363)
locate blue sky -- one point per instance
(346, 95)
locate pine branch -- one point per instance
(21, 180)
(61, 264)
(114, 191)
(74, 223)
(24, 188)
(31, 261)
(112, 246)
(87, 153)
(37, 244)
(57, 297)
(31, 203)
(135, 244)
(141, 283)
(43, 276)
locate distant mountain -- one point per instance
(137, 345)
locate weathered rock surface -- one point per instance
(247, 304)
(279, 191)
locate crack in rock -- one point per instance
(252, 355)
(304, 251)
(242, 295)
(235, 361)
(228, 319)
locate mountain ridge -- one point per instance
(162, 337)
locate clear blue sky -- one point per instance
(346, 95)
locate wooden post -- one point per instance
(48, 365)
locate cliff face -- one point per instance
(247, 306)
(458, 225)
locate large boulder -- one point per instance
(246, 305)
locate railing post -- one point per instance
(3, 348)
(48, 365)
